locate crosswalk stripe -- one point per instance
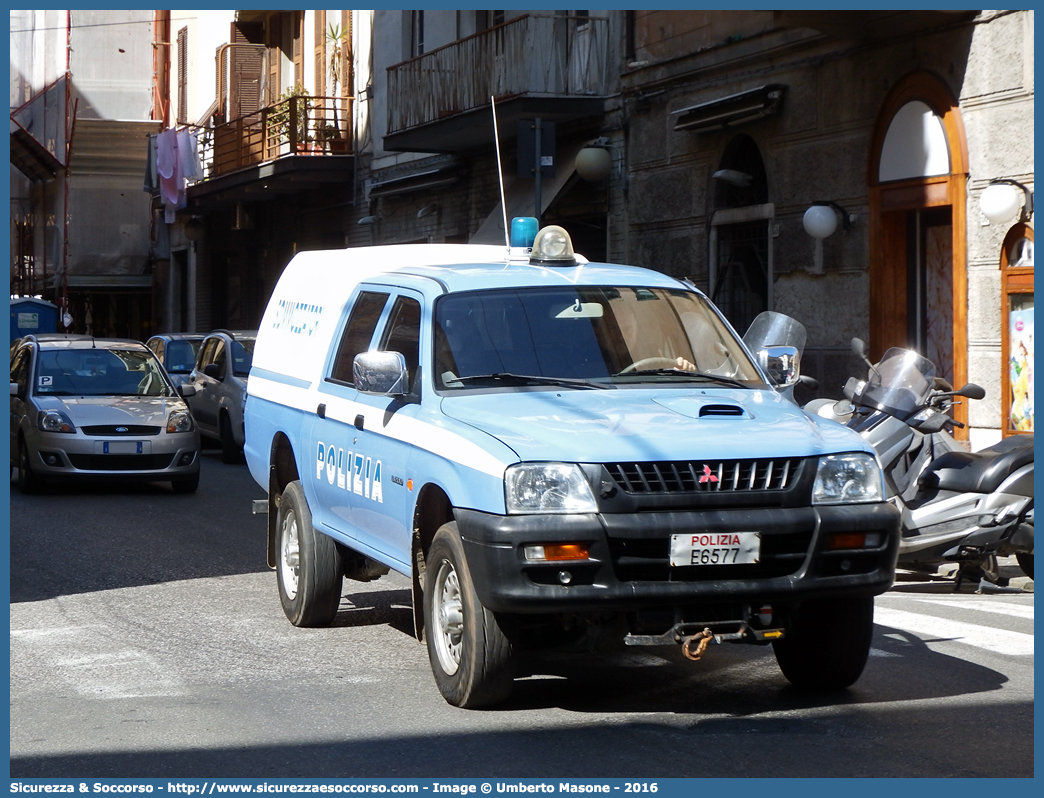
(1000, 641)
(998, 607)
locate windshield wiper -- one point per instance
(564, 382)
(702, 375)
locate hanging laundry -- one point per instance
(172, 183)
(167, 155)
(188, 148)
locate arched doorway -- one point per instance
(917, 179)
(741, 273)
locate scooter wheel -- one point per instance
(1025, 563)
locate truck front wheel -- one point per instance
(471, 657)
(308, 566)
(827, 644)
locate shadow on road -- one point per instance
(78, 538)
(845, 744)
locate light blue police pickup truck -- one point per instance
(555, 452)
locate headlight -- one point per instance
(547, 488)
(180, 421)
(54, 421)
(848, 479)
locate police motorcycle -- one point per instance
(957, 506)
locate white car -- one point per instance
(98, 409)
(220, 382)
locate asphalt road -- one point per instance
(147, 640)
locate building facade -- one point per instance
(739, 122)
(82, 106)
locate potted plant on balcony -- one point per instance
(337, 39)
(279, 117)
(334, 139)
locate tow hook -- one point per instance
(701, 639)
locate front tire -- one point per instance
(186, 484)
(471, 657)
(308, 565)
(827, 644)
(29, 481)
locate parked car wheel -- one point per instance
(28, 480)
(186, 484)
(230, 452)
(471, 657)
(827, 644)
(309, 569)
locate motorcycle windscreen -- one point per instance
(771, 328)
(900, 383)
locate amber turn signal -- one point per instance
(853, 540)
(556, 552)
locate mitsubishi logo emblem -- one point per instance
(707, 475)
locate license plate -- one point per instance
(120, 447)
(716, 548)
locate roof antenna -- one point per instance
(500, 172)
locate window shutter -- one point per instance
(183, 76)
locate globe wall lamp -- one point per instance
(1000, 201)
(594, 162)
(820, 220)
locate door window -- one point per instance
(358, 333)
(403, 335)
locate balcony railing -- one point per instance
(555, 56)
(300, 125)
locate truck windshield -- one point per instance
(594, 333)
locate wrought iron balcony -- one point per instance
(300, 125)
(562, 60)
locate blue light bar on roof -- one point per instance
(523, 231)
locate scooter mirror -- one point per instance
(860, 348)
(972, 391)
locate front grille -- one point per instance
(647, 559)
(121, 462)
(723, 476)
(118, 430)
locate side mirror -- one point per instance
(186, 390)
(381, 373)
(972, 391)
(781, 363)
(860, 348)
(213, 371)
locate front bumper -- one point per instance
(78, 456)
(628, 567)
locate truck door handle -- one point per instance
(321, 411)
